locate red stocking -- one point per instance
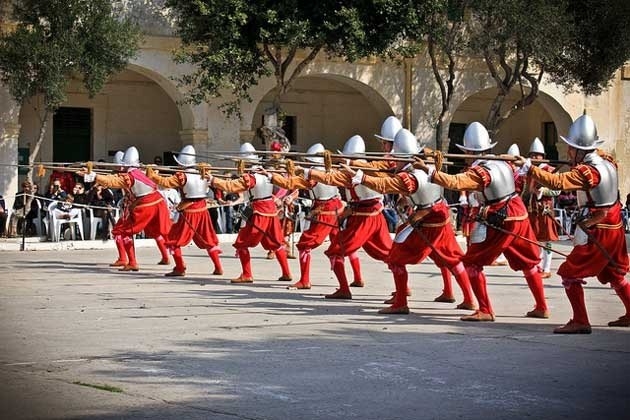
(535, 283)
(246, 262)
(575, 293)
(340, 271)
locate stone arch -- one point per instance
(523, 126)
(321, 100)
(186, 115)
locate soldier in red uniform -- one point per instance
(194, 221)
(539, 202)
(146, 211)
(263, 226)
(599, 241)
(502, 220)
(427, 232)
(365, 224)
(324, 214)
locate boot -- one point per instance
(305, 268)
(214, 256)
(161, 244)
(478, 285)
(400, 305)
(461, 277)
(623, 321)
(339, 269)
(573, 327)
(355, 264)
(122, 254)
(535, 283)
(281, 255)
(131, 255)
(180, 268)
(246, 265)
(575, 293)
(447, 291)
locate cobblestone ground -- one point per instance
(80, 340)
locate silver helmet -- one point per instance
(354, 146)
(248, 152)
(537, 147)
(583, 134)
(316, 148)
(513, 150)
(118, 157)
(476, 139)
(131, 157)
(186, 156)
(390, 127)
(405, 144)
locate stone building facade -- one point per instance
(332, 100)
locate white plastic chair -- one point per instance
(560, 215)
(56, 224)
(94, 222)
(41, 221)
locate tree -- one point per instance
(234, 43)
(518, 39)
(57, 40)
(598, 47)
(439, 28)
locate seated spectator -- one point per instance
(21, 220)
(65, 209)
(56, 191)
(80, 197)
(3, 217)
(103, 200)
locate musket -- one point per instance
(327, 154)
(500, 229)
(426, 152)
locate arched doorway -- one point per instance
(545, 119)
(329, 109)
(131, 109)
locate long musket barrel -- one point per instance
(376, 156)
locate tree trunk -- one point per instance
(494, 114)
(31, 159)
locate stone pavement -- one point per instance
(75, 330)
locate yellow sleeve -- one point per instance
(386, 185)
(232, 185)
(466, 181)
(334, 178)
(291, 182)
(566, 181)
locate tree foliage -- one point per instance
(599, 45)
(518, 39)
(56, 40)
(234, 43)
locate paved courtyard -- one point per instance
(80, 340)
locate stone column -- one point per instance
(198, 139)
(9, 135)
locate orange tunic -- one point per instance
(324, 214)
(589, 260)
(521, 255)
(148, 213)
(263, 227)
(541, 213)
(433, 234)
(194, 221)
(366, 226)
